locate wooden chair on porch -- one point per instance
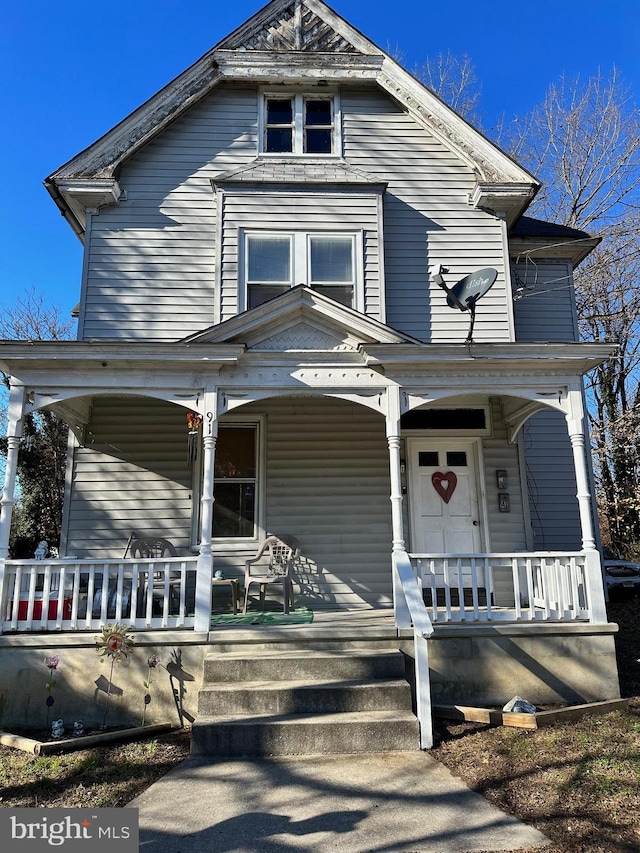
(280, 552)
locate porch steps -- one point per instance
(304, 701)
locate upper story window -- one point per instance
(300, 124)
(326, 262)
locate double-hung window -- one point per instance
(300, 124)
(236, 482)
(324, 261)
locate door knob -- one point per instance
(476, 523)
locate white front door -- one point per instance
(444, 504)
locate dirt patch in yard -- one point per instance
(578, 782)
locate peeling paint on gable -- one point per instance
(293, 28)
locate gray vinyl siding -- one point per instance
(328, 485)
(151, 270)
(131, 475)
(546, 308)
(427, 220)
(551, 483)
(298, 211)
(546, 312)
(507, 530)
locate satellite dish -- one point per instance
(467, 292)
(469, 289)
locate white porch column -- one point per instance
(593, 569)
(401, 610)
(393, 441)
(14, 433)
(202, 619)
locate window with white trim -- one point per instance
(328, 262)
(300, 124)
(236, 482)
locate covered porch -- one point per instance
(226, 384)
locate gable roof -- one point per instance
(317, 323)
(289, 41)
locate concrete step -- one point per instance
(277, 637)
(303, 665)
(302, 697)
(304, 734)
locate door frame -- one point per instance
(481, 492)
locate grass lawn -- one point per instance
(578, 782)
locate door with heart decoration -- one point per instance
(443, 497)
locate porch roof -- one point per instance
(565, 358)
(574, 358)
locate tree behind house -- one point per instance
(583, 142)
(43, 450)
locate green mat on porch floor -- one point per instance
(294, 617)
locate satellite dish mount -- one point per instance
(466, 294)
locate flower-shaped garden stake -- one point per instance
(52, 664)
(114, 643)
(152, 663)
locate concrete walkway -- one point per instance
(397, 802)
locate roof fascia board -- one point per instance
(114, 354)
(343, 28)
(147, 120)
(518, 357)
(491, 164)
(575, 249)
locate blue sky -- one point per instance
(71, 70)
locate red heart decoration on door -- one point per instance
(444, 484)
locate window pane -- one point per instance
(339, 293)
(456, 459)
(236, 452)
(428, 459)
(318, 141)
(234, 509)
(258, 294)
(318, 113)
(268, 259)
(279, 111)
(331, 259)
(279, 139)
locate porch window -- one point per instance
(300, 124)
(326, 262)
(235, 482)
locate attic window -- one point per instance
(300, 124)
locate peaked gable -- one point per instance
(300, 319)
(289, 41)
(288, 26)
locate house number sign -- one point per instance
(444, 484)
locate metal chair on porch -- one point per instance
(280, 551)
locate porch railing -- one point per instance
(410, 612)
(77, 595)
(512, 587)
